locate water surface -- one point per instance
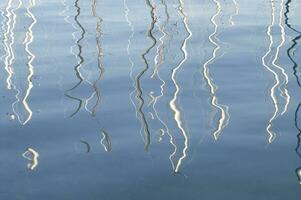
(154, 99)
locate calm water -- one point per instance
(154, 99)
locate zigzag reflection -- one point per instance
(272, 68)
(223, 109)
(106, 141)
(79, 57)
(9, 35)
(159, 61)
(172, 103)
(295, 66)
(9, 58)
(100, 66)
(138, 89)
(31, 155)
(28, 40)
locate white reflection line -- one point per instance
(224, 116)
(172, 103)
(28, 40)
(284, 93)
(159, 60)
(9, 58)
(33, 158)
(271, 135)
(106, 141)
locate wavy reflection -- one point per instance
(79, 57)
(9, 40)
(173, 102)
(224, 116)
(295, 41)
(31, 155)
(138, 90)
(159, 60)
(100, 68)
(30, 56)
(10, 58)
(273, 67)
(106, 141)
(130, 37)
(284, 91)
(297, 149)
(295, 66)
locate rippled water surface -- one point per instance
(154, 99)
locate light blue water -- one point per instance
(154, 99)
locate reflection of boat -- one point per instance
(294, 40)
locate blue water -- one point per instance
(154, 99)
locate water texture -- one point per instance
(150, 99)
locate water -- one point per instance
(155, 99)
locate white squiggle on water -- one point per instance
(236, 5)
(28, 40)
(272, 68)
(224, 113)
(172, 103)
(31, 155)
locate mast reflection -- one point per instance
(223, 109)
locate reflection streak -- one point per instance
(80, 59)
(172, 103)
(28, 40)
(99, 64)
(31, 155)
(295, 66)
(9, 58)
(271, 68)
(159, 60)
(224, 114)
(106, 141)
(139, 93)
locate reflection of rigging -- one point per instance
(100, 67)
(79, 58)
(9, 35)
(28, 40)
(9, 41)
(295, 41)
(297, 149)
(273, 67)
(106, 141)
(139, 92)
(173, 105)
(223, 109)
(295, 66)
